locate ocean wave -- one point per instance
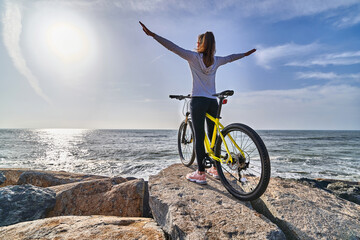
(145, 152)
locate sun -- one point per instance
(67, 41)
(62, 43)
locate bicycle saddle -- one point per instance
(225, 93)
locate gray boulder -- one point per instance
(186, 210)
(24, 203)
(305, 212)
(346, 191)
(343, 189)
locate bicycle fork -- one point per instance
(183, 140)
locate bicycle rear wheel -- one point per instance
(247, 177)
(186, 143)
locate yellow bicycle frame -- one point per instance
(209, 146)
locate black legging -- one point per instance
(199, 107)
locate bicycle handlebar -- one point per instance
(223, 94)
(179, 97)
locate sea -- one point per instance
(141, 153)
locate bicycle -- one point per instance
(240, 155)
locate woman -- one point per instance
(203, 66)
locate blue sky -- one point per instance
(88, 64)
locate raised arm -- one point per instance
(146, 30)
(186, 54)
(234, 57)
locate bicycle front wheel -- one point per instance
(248, 175)
(186, 143)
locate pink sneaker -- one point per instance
(213, 172)
(196, 177)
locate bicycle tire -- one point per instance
(246, 178)
(186, 143)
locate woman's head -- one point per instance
(200, 39)
(206, 46)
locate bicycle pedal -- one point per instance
(208, 162)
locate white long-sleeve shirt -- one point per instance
(203, 77)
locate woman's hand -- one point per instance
(146, 30)
(250, 52)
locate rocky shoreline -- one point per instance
(61, 205)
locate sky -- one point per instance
(88, 64)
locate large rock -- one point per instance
(84, 228)
(304, 212)
(112, 196)
(82, 194)
(187, 210)
(24, 203)
(2, 178)
(346, 191)
(50, 178)
(343, 189)
(42, 178)
(11, 176)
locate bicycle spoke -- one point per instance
(246, 143)
(255, 171)
(186, 143)
(251, 151)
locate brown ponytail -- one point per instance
(207, 48)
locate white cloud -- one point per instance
(317, 75)
(346, 58)
(271, 10)
(143, 5)
(12, 28)
(267, 56)
(157, 58)
(315, 107)
(349, 19)
(274, 9)
(328, 76)
(292, 54)
(287, 9)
